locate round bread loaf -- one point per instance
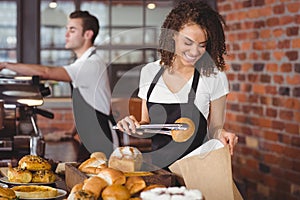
(7, 193)
(183, 135)
(115, 192)
(35, 191)
(126, 159)
(34, 163)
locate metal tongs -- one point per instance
(160, 128)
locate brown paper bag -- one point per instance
(210, 172)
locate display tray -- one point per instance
(4, 179)
(158, 176)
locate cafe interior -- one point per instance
(263, 69)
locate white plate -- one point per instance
(60, 195)
(4, 179)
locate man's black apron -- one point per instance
(93, 139)
(165, 151)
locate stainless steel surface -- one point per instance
(159, 128)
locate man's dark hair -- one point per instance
(89, 21)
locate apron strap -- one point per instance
(155, 80)
(192, 93)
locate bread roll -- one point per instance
(76, 187)
(34, 163)
(183, 135)
(35, 191)
(99, 156)
(115, 192)
(81, 195)
(135, 184)
(92, 165)
(112, 176)
(43, 176)
(94, 185)
(126, 159)
(7, 193)
(18, 175)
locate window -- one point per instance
(8, 32)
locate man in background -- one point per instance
(88, 73)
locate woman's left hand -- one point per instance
(228, 138)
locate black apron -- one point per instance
(165, 151)
(103, 121)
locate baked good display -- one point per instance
(112, 176)
(31, 169)
(135, 184)
(94, 164)
(34, 163)
(7, 194)
(183, 135)
(115, 192)
(35, 191)
(18, 175)
(172, 193)
(126, 159)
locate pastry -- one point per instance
(115, 192)
(34, 163)
(135, 184)
(94, 185)
(112, 176)
(81, 195)
(35, 191)
(92, 165)
(183, 135)
(43, 176)
(18, 175)
(7, 194)
(172, 193)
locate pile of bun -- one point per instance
(31, 169)
(107, 177)
(110, 184)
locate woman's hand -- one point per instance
(228, 138)
(128, 125)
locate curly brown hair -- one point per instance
(195, 12)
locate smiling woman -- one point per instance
(188, 81)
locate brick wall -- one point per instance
(63, 120)
(263, 108)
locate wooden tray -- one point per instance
(159, 176)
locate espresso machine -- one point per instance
(20, 97)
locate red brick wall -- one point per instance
(263, 108)
(63, 120)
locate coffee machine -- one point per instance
(20, 97)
